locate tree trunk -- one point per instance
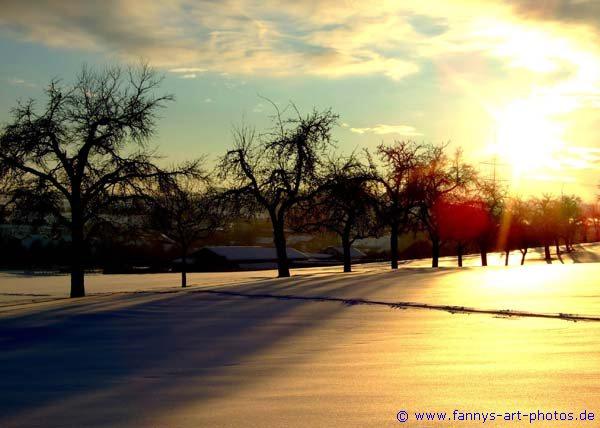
(506, 258)
(557, 247)
(524, 253)
(483, 252)
(184, 269)
(347, 256)
(435, 251)
(394, 246)
(283, 269)
(459, 251)
(183, 276)
(77, 250)
(547, 252)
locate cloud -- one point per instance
(567, 11)
(188, 70)
(381, 129)
(428, 25)
(21, 82)
(581, 157)
(208, 100)
(327, 38)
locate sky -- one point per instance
(515, 83)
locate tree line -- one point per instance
(88, 145)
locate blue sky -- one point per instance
(518, 79)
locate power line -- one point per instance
(493, 163)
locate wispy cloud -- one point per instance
(581, 157)
(187, 70)
(476, 46)
(326, 38)
(21, 82)
(552, 178)
(381, 129)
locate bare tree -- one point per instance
(493, 196)
(436, 178)
(89, 144)
(29, 202)
(186, 211)
(345, 205)
(280, 168)
(570, 219)
(395, 175)
(462, 219)
(592, 218)
(545, 219)
(517, 230)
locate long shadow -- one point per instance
(582, 255)
(407, 305)
(356, 285)
(58, 362)
(65, 356)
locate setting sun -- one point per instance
(527, 137)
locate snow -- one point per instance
(227, 352)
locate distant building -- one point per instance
(223, 258)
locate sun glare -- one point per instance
(527, 137)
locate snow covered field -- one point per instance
(18, 288)
(322, 348)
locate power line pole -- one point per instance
(493, 163)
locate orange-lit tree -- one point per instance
(546, 222)
(570, 219)
(461, 220)
(435, 179)
(518, 231)
(493, 196)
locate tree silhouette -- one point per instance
(395, 177)
(545, 219)
(280, 168)
(88, 144)
(517, 230)
(345, 205)
(186, 210)
(461, 220)
(570, 218)
(592, 219)
(435, 178)
(493, 196)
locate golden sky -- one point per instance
(518, 79)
